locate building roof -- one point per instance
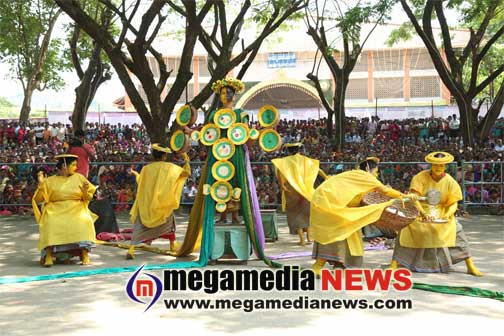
(295, 39)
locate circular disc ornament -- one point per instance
(223, 149)
(195, 135)
(268, 116)
(254, 134)
(177, 141)
(209, 134)
(221, 191)
(269, 140)
(220, 207)
(224, 118)
(184, 115)
(238, 133)
(223, 170)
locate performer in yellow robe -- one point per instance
(336, 217)
(66, 225)
(158, 194)
(296, 174)
(426, 245)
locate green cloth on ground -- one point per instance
(461, 290)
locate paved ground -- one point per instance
(98, 304)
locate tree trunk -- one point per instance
(339, 111)
(34, 78)
(491, 116)
(81, 106)
(158, 134)
(330, 123)
(26, 107)
(86, 91)
(468, 120)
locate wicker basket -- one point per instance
(394, 217)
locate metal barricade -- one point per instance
(481, 182)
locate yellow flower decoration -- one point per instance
(234, 83)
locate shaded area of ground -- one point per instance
(99, 305)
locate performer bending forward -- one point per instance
(336, 217)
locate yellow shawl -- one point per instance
(335, 214)
(158, 194)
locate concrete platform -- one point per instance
(98, 304)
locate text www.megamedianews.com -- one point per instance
(302, 302)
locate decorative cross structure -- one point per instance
(223, 148)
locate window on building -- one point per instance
(362, 62)
(154, 66)
(422, 87)
(172, 64)
(387, 88)
(203, 66)
(388, 60)
(420, 60)
(183, 99)
(357, 89)
(281, 60)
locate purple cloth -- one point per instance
(256, 211)
(289, 255)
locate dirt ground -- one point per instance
(98, 304)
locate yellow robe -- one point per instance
(158, 194)
(65, 217)
(335, 214)
(300, 172)
(426, 235)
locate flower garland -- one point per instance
(236, 84)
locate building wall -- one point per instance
(386, 76)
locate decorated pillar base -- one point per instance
(231, 242)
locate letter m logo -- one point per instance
(144, 288)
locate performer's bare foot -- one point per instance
(471, 268)
(318, 266)
(131, 253)
(85, 257)
(308, 237)
(300, 233)
(48, 262)
(174, 246)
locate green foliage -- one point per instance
(5, 103)
(85, 44)
(403, 33)
(23, 25)
(493, 59)
(470, 15)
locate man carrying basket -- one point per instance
(337, 217)
(434, 242)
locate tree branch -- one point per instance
(161, 19)
(238, 20)
(440, 65)
(320, 92)
(73, 52)
(475, 39)
(176, 8)
(489, 79)
(450, 54)
(221, 11)
(490, 42)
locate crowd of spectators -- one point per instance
(25, 149)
